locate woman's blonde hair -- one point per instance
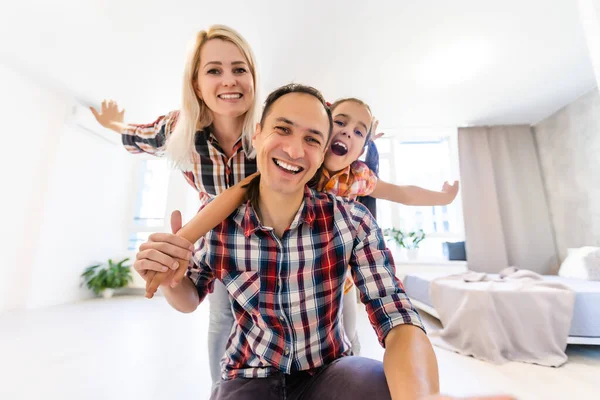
(195, 114)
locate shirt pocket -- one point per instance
(244, 287)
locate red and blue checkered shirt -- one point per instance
(287, 292)
(209, 171)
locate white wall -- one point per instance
(85, 210)
(65, 197)
(568, 143)
(589, 12)
(32, 118)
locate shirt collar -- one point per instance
(327, 176)
(210, 137)
(249, 222)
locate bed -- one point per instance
(585, 324)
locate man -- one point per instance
(283, 258)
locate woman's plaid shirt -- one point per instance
(209, 171)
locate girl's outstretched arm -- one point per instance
(414, 195)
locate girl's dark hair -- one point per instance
(372, 161)
(372, 156)
(254, 185)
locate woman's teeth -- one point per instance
(230, 96)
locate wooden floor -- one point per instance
(134, 348)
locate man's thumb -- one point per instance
(175, 221)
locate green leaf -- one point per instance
(111, 275)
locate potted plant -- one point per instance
(409, 241)
(105, 278)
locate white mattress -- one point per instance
(586, 315)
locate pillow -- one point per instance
(582, 263)
(455, 251)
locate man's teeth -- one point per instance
(287, 166)
(230, 96)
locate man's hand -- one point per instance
(441, 397)
(170, 277)
(162, 251)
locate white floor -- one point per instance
(134, 348)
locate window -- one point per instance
(152, 178)
(425, 159)
(158, 190)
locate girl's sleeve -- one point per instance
(363, 180)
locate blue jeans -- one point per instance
(220, 323)
(349, 378)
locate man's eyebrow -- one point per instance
(287, 121)
(360, 122)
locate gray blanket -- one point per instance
(514, 316)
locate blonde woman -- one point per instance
(209, 140)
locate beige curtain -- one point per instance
(507, 220)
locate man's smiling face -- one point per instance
(291, 143)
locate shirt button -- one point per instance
(282, 319)
(287, 351)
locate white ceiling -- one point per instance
(418, 63)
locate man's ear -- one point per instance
(257, 131)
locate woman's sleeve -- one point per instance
(150, 138)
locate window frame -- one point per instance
(396, 137)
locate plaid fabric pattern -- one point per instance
(209, 171)
(355, 180)
(287, 292)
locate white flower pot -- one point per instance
(108, 293)
(412, 254)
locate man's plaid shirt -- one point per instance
(287, 292)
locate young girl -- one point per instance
(345, 176)
(342, 175)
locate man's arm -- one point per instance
(410, 364)
(183, 297)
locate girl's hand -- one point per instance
(450, 191)
(375, 124)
